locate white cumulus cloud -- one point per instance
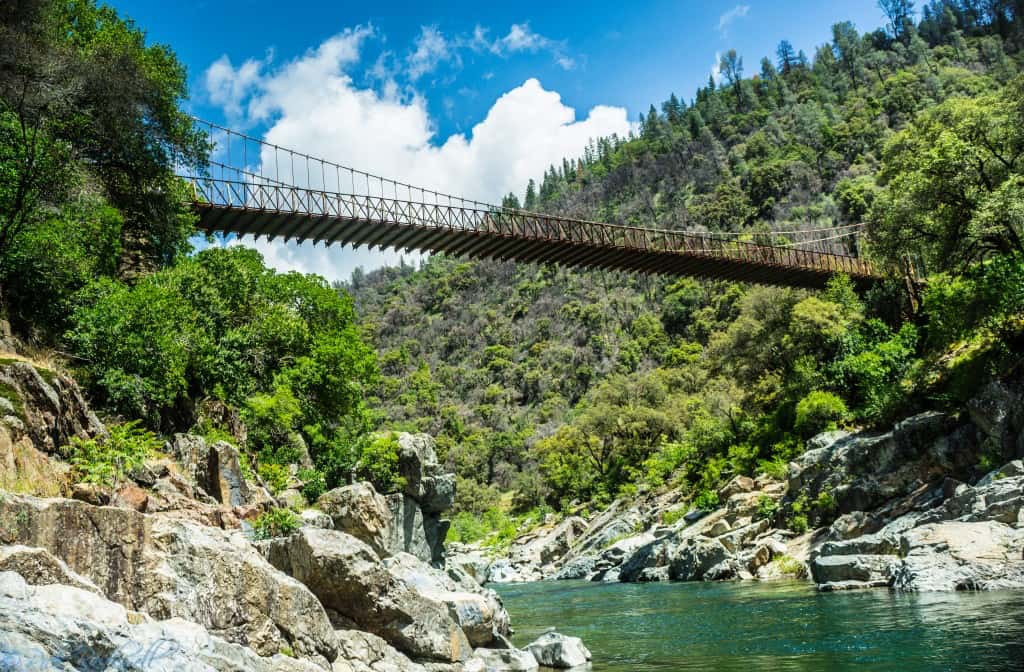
(431, 49)
(313, 105)
(737, 12)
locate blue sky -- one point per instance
(464, 97)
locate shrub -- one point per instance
(106, 460)
(774, 468)
(275, 523)
(466, 528)
(798, 523)
(798, 518)
(819, 412)
(274, 475)
(378, 463)
(825, 504)
(706, 500)
(313, 484)
(789, 565)
(766, 507)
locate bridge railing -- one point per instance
(266, 194)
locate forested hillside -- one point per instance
(556, 386)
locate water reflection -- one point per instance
(774, 626)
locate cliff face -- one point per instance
(159, 569)
(917, 507)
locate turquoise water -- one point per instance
(773, 626)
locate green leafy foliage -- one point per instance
(819, 412)
(378, 462)
(107, 460)
(275, 476)
(284, 347)
(275, 523)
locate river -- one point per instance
(773, 626)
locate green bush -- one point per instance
(819, 412)
(766, 507)
(706, 500)
(378, 463)
(275, 523)
(107, 460)
(274, 475)
(313, 484)
(467, 528)
(790, 566)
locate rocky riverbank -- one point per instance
(910, 508)
(162, 571)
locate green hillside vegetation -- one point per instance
(559, 386)
(544, 387)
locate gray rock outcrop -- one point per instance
(416, 525)
(215, 467)
(351, 581)
(358, 510)
(168, 567)
(59, 628)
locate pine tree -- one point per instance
(787, 57)
(530, 202)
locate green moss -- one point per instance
(11, 394)
(48, 375)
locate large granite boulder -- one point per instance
(39, 567)
(698, 558)
(547, 545)
(414, 531)
(960, 556)
(478, 611)
(866, 470)
(971, 541)
(998, 412)
(359, 510)
(352, 582)
(502, 660)
(216, 467)
(57, 628)
(169, 567)
(425, 480)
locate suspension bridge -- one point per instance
(252, 187)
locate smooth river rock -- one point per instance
(554, 650)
